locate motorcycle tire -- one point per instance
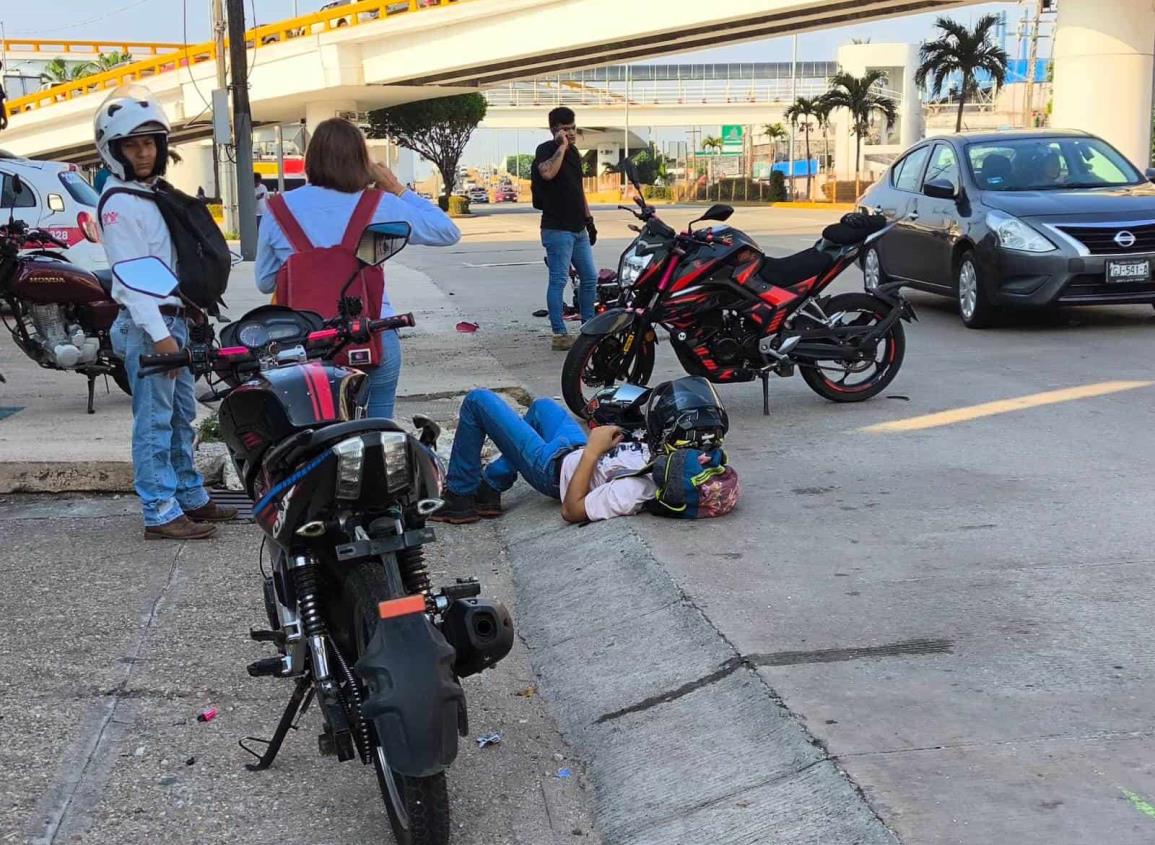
(423, 815)
(838, 391)
(120, 376)
(584, 352)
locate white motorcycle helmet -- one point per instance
(127, 112)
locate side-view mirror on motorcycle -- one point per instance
(717, 212)
(147, 275)
(17, 189)
(631, 170)
(381, 241)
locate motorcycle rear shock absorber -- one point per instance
(414, 572)
(309, 608)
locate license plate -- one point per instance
(1128, 271)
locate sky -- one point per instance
(188, 21)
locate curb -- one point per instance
(65, 477)
(682, 739)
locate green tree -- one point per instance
(107, 61)
(437, 129)
(519, 165)
(58, 71)
(860, 96)
(713, 142)
(800, 112)
(963, 51)
(775, 132)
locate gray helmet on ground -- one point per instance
(129, 112)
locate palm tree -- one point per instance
(800, 112)
(58, 71)
(713, 142)
(822, 115)
(107, 61)
(961, 50)
(860, 96)
(775, 132)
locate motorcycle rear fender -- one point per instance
(608, 322)
(891, 295)
(413, 697)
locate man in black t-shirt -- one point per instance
(567, 227)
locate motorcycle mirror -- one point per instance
(147, 275)
(717, 212)
(631, 170)
(381, 241)
(17, 188)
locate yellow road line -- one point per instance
(1004, 406)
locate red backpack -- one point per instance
(312, 278)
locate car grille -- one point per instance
(1094, 285)
(1100, 240)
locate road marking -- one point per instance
(502, 264)
(1003, 406)
(1138, 802)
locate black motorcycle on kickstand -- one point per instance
(343, 501)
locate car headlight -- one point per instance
(1013, 233)
(395, 448)
(632, 267)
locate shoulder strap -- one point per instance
(298, 240)
(362, 217)
(107, 195)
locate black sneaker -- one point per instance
(487, 501)
(457, 510)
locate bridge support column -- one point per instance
(325, 109)
(1103, 72)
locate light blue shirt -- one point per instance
(324, 215)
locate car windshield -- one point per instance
(1048, 164)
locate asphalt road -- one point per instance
(960, 613)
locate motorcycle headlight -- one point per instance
(1013, 233)
(350, 461)
(632, 267)
(395, 448)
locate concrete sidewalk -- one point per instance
(49, 444)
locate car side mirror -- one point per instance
(1150, 174)
(940, 189)
(381, 241)
(148, 275)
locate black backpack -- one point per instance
(202, 254)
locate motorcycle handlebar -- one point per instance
(40, 236)
(176, 359)
(399, 321)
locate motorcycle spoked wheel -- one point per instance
(597, 361)
(859, 380)
(418, 807)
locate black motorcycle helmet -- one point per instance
(622, 405)
(686, 413)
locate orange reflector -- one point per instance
(401, 607)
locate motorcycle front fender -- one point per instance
(608, 322)
(413, 697)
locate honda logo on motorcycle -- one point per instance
(1125, 239)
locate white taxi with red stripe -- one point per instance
(55, 197)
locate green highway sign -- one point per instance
(732, 137)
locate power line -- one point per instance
(77, 24)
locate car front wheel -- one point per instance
(974, 308)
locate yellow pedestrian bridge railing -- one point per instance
(35, 48)
(182, 56)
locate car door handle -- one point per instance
(877, 209)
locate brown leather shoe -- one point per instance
(181, 528)
(212, 512)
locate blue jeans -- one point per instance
(562, 249)
(163, 410)
(529, 446)
(383, 378)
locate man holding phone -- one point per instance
(567, 227)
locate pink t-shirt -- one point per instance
(611, 495)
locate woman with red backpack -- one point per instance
(314, 228)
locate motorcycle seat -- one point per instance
(105, 279)
(796, 268)
(844, 234)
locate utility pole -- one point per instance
(793, 99)
(242, 130)
(222, 126)
(1032, 58)
(626, 134)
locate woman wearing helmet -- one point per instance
(131, 133)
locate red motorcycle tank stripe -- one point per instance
(321, 393)
(779, 296)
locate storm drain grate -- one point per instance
(234, 499)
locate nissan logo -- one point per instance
(1125, 239)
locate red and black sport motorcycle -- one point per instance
(734, 314)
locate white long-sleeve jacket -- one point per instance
(132, 227)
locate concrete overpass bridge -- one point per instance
(373, 54)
